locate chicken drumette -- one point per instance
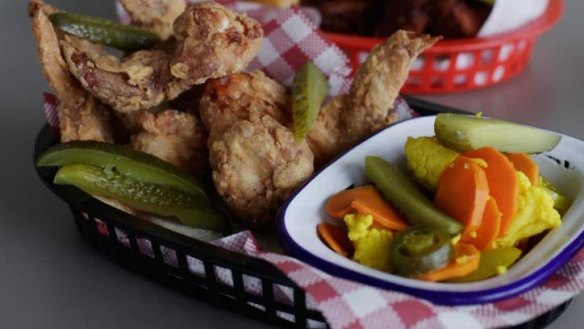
(209, 41)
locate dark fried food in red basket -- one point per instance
(449, 18)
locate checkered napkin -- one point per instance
(347, 304)
(291, 39)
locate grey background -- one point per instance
(51, 278)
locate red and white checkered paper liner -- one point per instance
(291, 39)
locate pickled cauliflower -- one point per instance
(535, 214)
(426, 159)
(372, 245)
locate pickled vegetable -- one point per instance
(145, 196)
(493, 262)
(426, 159)
(561, 202)
(465, 132)
(402, 193)
(420, 249)
(103, 31)
(131, 163)
(309, 90)
(466, 260)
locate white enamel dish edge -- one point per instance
(298, 218)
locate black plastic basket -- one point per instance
(103, 226)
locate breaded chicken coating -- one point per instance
(155, 16)
(81, 117)
(209, 41)
(256, 165)
(242, 96)
(368, 107)
(173, 136)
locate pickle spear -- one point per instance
(131, 163)
(309, 90)
(145, 196)
(402, 193)
(468, 132)
(104, 31)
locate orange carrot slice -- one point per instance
(462, 193)
(335, 238)
(503, 182)
(524, 163)
(339, 204)
(490, 226)
(383, 213)
(466, 260)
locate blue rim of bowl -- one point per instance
(435, 296)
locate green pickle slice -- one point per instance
(104, 31)
(145, 196)
(402, 193)
(130, 163)
(309, 90)
(468, 132)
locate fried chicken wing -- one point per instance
(155, 16)
(378, 82)
(81, 117)
(173, 136)
(325, 138)
(210, 41)
(242, 96)
(256, 165)
(368, 106)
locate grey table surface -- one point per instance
(51, 278)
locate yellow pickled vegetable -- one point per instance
(372, 245)
(493, 262)
(426, 159)
(535, 214)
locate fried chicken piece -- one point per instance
(458, 18)
(139, 81)
(410, 15)
(90, 120)
(256, 165)
(369, 105)
(325, 138)
(378, 82)
(155, 16)
(173, 136)
(242, 96)
(213, 41)
(81, 117)
(210, 41)
(347, 16)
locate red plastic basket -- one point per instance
(458, 65)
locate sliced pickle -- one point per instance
(468, 132)
(131, 163)
(145, 196)
(104, 31)
(309, 90)
(403, 194)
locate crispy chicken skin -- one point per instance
(378, 82)
(256, 165)
(155, 16)
(173, 136)
(368, 106)
(209, 41)
(255, 160)
(326, 137)
(242, 96)
(81, 117)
